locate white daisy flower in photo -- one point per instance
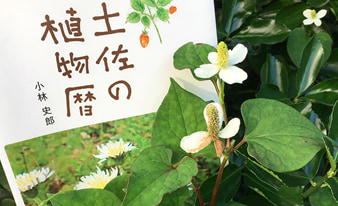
(113, 149)
(27, 181)
(97, 180)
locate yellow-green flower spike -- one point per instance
(213, 121)
(222, 55)
(313, 14)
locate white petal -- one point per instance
(307, 21)
(231, 129)
(206, 71)
(237, 54)
(195, 142)
(233, 75)
(321, 13)
(307, 13)
(317, 22)
(220, 113)
(212, 57)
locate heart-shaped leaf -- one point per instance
(153, 175)
(86, 197)
(180, 114)
(278, 136)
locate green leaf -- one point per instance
(325, 92)
(333, 182)
(154, 175)
(271, 10)
(133, 17)
(86, 197)
(278, 196)
(292, 15)
(318, 3)
(322, 197)
(296, 44)
(163, 2)
(235, 12)
(163, 14)
(3, 179)
(263, 31)
(192, 56)
(333, 124)
(176, 198)
(145, 21)
(271, 91)
(330, 67)
(180, 114)
(326, 41)
(138, 5)
(118, 186)
(312, 60)
(274, 72)
(229, 184)
(278, 136)
(7, 202)
(151, 3)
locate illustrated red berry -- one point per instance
(144, 39)
(172, 9)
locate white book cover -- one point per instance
(76, 74)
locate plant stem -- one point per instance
(152, 19)
(198, 192)
(220, 172)
(315, 186)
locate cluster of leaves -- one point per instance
(6, 198)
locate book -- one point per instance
(76, 75)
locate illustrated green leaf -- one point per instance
(292, 15)
(192, 56)
(151, 3)
(333, 124)
(163, 2)
(180, 114)
(325, 92)
(118, 186)
(153, 175)
(229, 184)
(86, 197)
(312, 60)
(263, 31)
(163, 14)
(138, 5)
(322, 197)
(274, 72)
(296, 44)
(278, 136)
(145, 21)
(235, 12)
(133, 17)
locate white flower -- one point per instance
(313, 17)
(213, 115)
(113, 149)
(97, 180)
(27, 181)
(223, 62)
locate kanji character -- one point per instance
(49, 29)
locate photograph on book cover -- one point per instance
(81, 77)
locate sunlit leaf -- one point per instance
(322, 197)
(154, 174)
(275, 132)
(325, 92)
(175, 198)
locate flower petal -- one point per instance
(317, 22)
(212, 57)
(307, 13)
(307, 21)
(237, 54)
(321, 13)
(206, 71)
(220, 113)
(231, 129)
(233, 74)
(195, 142)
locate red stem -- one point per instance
(198, 193)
